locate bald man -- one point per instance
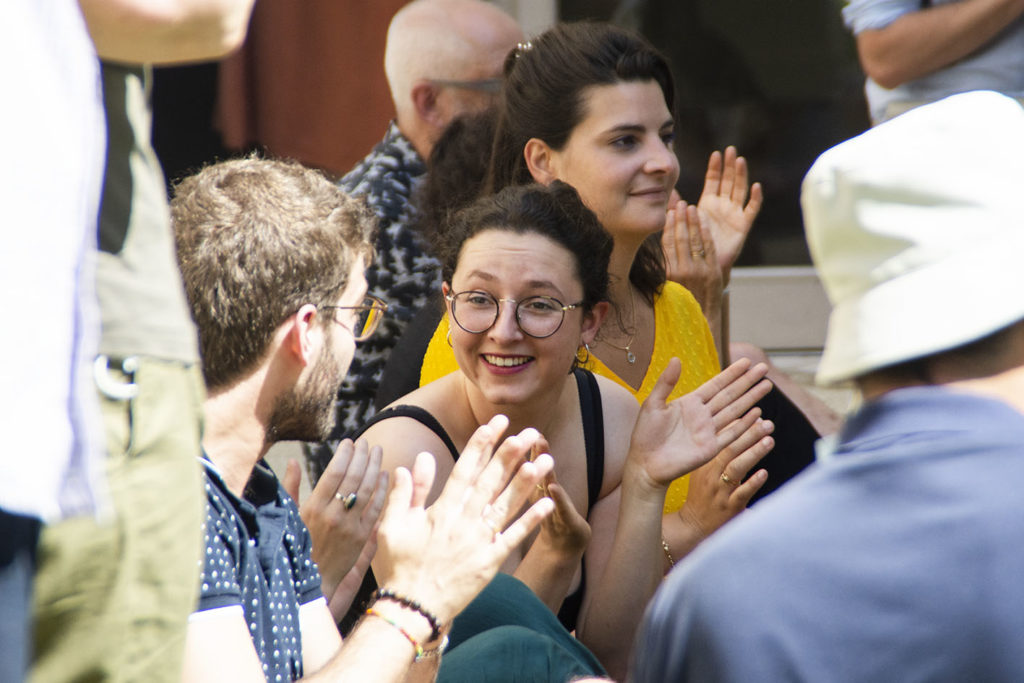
(443, 58)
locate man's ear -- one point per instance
(298, 341)
(540, 160)
(424, 100)
(592, 321)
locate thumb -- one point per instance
(666, 383)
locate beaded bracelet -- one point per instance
(387, 594)
(415, 645)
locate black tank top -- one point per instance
(593, 439)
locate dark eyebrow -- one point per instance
(531, 284)
(542, 284)
(637, 128)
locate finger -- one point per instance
(710, 251)
(732, 390)
(517, 532)
(746, 451)
(473, 458)
(292, 479)
(737, 468)
(373, 509)
(563, 503)
(713, 177)
(707, 391)
(740, 405)
(673, 237)
(745, 491)
(753, 206)
(704, 242)
(333, 474)
(506, 462)
(665, 384)
(729, 436)
(696, 241)
(356, 473)
(728, 172)
(515, 494)
(368, 482)
(539, 446)
(739, 186)
(399, 496)
(423, 470)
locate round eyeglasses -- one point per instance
(537, 316)
(368, 316)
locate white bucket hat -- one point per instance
(917, 231)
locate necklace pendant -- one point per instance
(630, 357)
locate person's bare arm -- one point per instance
(669, 439)
(923, 42)
(166, 31)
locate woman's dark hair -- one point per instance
(554, 211)
(543, 97)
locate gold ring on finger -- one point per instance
(729, 480)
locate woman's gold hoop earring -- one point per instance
(448, 336)
(586, 355)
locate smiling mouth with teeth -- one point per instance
(506, 361)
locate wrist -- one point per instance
(394, 603)
(691, 522)
(559, 550)
(639, 484)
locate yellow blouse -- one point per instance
(680, 331)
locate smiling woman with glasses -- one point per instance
(509, 261)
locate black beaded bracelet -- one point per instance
(387, 594)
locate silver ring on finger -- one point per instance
(347, 501)
(729, 480)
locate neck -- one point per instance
(234, 434)
(621, 262)
(541, 414)
(1007, 386)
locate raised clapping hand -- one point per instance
(717, 492)
(690, 255)
(724, 207)
(701, 245)
(444, 555)
(341, 524)
(565, 530)
(672, 438)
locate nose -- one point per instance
(506, 327)
(661, 158)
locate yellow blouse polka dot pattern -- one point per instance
(680, 331)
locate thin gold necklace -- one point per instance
(630, 356)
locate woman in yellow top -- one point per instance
(590, 104)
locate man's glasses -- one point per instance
(537, 316)
(487, 85)
(368, 316)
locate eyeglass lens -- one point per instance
(367, 319)
(538, 316)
